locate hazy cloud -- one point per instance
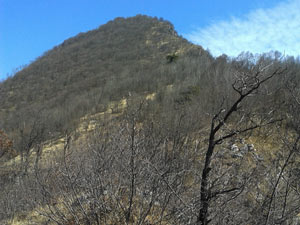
(259, 31)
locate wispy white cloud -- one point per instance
(259, 31)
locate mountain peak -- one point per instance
(131, 30)
(120, 56)
(141, 20)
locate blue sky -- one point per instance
(30, 27)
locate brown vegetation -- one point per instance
(199, 140)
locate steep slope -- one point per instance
(87, 71)
(148, 112)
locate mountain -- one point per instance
(132, 124)
(85, 72)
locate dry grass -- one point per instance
(53, 149)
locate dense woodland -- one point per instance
(217, 144)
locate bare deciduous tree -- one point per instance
(224, 126)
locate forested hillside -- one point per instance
(84, 73)
(132, 124)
